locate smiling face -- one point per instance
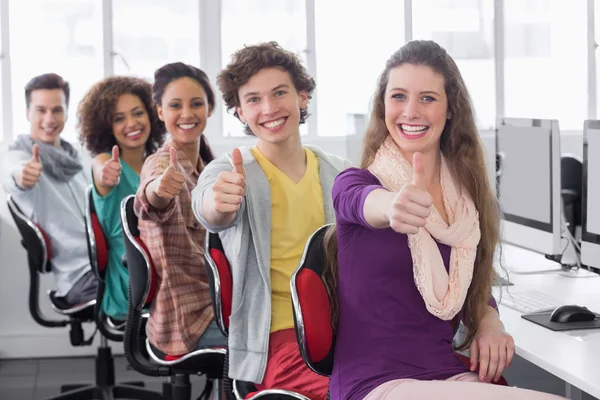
(270, 105)
(47, 113)
(184, 109)
(130, 122)
(416, 108)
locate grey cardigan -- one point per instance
(58, 207)
(246, 242)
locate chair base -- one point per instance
(71, 387)
(109, 393)
(105, 387)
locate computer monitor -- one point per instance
(529, 188)
(590, 217)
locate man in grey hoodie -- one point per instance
(46, 178)
(265, 202)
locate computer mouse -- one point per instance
(571, 313)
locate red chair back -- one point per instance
(220, 281)
(142, 274)
(96, 239)
(311, 303)
(34, 239)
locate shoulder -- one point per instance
(357, 176)
(159, 161)
(336, 162)
(102, 158)
(224, 163)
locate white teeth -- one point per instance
(186, 126)
(134, 133)
(274, 124)
(413, 130)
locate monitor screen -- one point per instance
(525, 189)
(593, 182)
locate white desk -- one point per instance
(572, 356)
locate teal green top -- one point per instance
(114, 303)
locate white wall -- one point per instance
(21, 337)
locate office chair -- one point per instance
(221, 284)
(499, 161)
(312, 308)
(39, 252)
(98, 254)
(571, 183)
(149, 360)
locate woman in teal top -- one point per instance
(120, 128)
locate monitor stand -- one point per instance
(571, 259)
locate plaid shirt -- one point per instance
(182, 307)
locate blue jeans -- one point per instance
(212, 337)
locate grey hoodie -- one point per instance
(247, 245)
(56, 203)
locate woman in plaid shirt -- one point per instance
(181, 316)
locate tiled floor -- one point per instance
(40, 379)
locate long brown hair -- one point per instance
(461, 146)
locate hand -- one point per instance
(111, 170)
(230, 187)
(412, 205)
(492, 348)
(30, 175)
(171, 181)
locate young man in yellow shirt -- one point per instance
(265, 202)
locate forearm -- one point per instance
(212, 216)
(155, 201)
(97, 177)
(375, 207)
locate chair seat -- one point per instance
(467, 363)
(248, 391)
(209, 360)
(84, 311)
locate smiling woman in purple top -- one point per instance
(417, 227)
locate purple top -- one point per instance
(385, 331)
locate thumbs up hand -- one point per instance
(230, 187)
(111, 170)
(172, 180)
(31, 172)
(412, 205)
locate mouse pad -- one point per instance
(543, 319)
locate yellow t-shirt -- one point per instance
(297, 210)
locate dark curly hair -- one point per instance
(96, 110)
(249, 60)
(177, 70)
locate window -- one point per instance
(351, 51)
(61, 36)
(545, 65)
(245, 23)
(151, 33)
(597, 56)
(466, 30)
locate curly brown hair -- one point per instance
(96, 109)
(248, 61)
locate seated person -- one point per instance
(181, 315)
(265, 206)
(417, 227)
(46, 178)
(119, 127)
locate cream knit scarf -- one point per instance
(443, 292)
